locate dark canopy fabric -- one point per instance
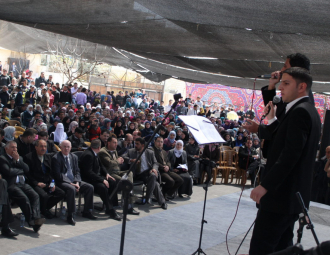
(208, 39)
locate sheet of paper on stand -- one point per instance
(202, 129)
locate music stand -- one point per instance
(204, 132)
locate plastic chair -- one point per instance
(14, 123)
(19, 129)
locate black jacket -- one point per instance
(10, 169)
(245, 156)
(192, 150)
(40, 80)
(91, 168)
(291, 159)
(23, 148)
(36, 173)
(76, 143)
(65, 97)
(4, 96)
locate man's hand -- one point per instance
(255, 156)
(271, 114)
(106, 183)
(41, 185)
(196, 156)
(76, 185)
(166, 168)
(109, 177)
(53, 189)
(276, 77)
(251, 126)
(257, 193)
(176, 170)
(154, 171)
(120, 160)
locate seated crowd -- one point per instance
(72, 140)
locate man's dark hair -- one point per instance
(299, 60)
(158, 137)
(79, 130)
(300, 75)
(2, 133)
(83, 90)
(38, 141)
(29, 132)
(140, 140)
(96, 143)
(105, 131)
(111, 137)
(35, 113)
(42, 134)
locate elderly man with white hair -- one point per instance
(66, 173)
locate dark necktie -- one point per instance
(69, 170)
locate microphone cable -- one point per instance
(239, 200)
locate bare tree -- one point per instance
(74, 58)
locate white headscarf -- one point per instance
(9, 133)
(178, 153)
(73, 124)
(39, 109)
(88, 106)
(28, 109)
(59, 134)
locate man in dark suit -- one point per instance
(105, 134)
(65, 95)
(25, 141)
(67, 176)
(248, 159)
(40, 178)
(124, 146)
(94, 173)
(172, 180)
(289, 167)
(7, 216)
(146, 170)
(14, 171)
(43, 135)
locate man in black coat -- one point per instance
(77, 142)
(66, 173)
(25, 141)
(40, 178)
(65, 95)
(15, 172)
(289, 167)
(248, 159)
(94, 173)
(7, 216)
(41, 79)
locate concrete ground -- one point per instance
(57, 229)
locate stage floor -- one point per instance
(155, 231)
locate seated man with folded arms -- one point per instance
(93, 172)
(67, 176)
(77, 142)
(40, 178)
(112, 163)
(5, 210)
(172, 180)
(146, 170)
(14, 171)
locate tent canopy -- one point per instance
(205, 41)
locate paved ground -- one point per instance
(57, 229)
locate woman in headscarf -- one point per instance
(228, 141)
(177, 157)
(147, 131)
(9, 134)
(66, 123)
(201, 112)
(169, 142)
(106, 125)
(72, 127)
(211, 154)
(118, 130)
(184, 137)
(178, 134)
(37, 124)
(239, 140)
(163, 133)
(58, 135)
(39, 109)
(256, 143)
(88, 106)
(192, 150)
(131, 128)
(28, 115)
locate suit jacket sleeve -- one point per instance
(32, 180)
(57, 166)
(76, 169)
(8, 171)
(154, 160)
(299, 124)
(267, 94)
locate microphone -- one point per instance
(276, 100)
(267, 76)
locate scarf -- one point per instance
(178, 153)
(59, 134)
(168, 137)
(9, 133)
